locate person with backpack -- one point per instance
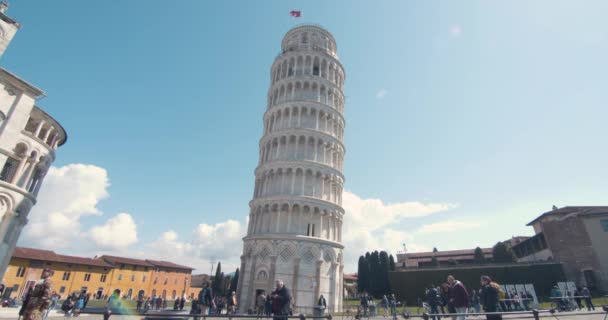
(489, 297)
(205, 299)
(432, 298)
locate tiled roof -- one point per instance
(167, 264)
(572, 209)
(449, 253)
(47, 255)
(118, 260)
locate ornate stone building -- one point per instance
(295, 220)
(28, 140)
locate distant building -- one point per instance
(96, 276)
(444, 258)
(577, 237)
(196, 284)
(350, 285)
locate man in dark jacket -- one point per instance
(432, 298)
(281, 301)
(459, 297)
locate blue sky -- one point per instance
(483, 113)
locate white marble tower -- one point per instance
(295, 220)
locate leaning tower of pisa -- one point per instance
(295, 221)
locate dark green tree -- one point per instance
(391, 263)
(234, 281)
(362, 275)
(375, 288)
(218, 281)
(384, 285)
(501, 253)
(479, 257)
(435, 250)
(434, 262)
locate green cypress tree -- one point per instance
(384, 285)
(479, 257)
(362, 275)
(391, 263)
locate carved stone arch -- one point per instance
(328, 255)
(6, 205)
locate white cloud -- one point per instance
(381, 94)
(456, 30)
(208, 243)
(69, 194)
(369, 224)
(448, 226)
(117, 233)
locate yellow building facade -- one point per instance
(98, 277)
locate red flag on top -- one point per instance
(295, 14)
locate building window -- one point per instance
(120, 277)
(66, 276)
(103, 278)
(62, 290)
(132, 277)
(604, 225)
(21, 272)
(87, 277)
(311, 230)
(143, 279)
(9, 169)
(122, 266)
(166, 280)
(155, 280)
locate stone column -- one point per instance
(239, 285)
(318, 280)
(294, 281)
(249, 299)
(273, 270)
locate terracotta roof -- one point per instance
(47, 255)
(352, 276)
(448, 254)
(585, 210)
(118, 260)
(167, 264)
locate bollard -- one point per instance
(329, 316)
(107, 314)
(425, 316)
(302, 316)
(535, 314)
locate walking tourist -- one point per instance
(557, 296)
(525, 299)
(385, 305)
(459, 297)
(281, 300)
(516, 304)
(393, 303)
(475, 301)
(195, 309)
(445, 299)
(147, 305)
(321, 305)
(587, 295)
(260, 303)
(577, 298)
(232, 303)
(489, 297)
(176, 304)
(432, 298)
(205, 299)
(182, 302)
(268, 306)
(39, 298)
(364, 303)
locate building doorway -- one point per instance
(99, 294)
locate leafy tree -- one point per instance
(363, 275)
(435, 250)
(479, 257)
(501, 253)
(391, 263)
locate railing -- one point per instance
(533, 314)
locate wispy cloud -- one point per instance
(381, 94)
(449, 226)
(456, 30)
